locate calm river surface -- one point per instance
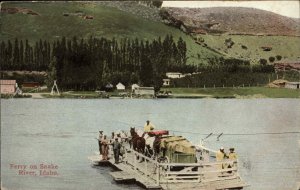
(63, 131)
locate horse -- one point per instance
(138, 142)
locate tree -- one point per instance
(263, 61)
(278, 57)
(271, 59)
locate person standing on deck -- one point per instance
(148, 126)
(232, 156)
(99, 141)
(105, 147)
(220, 156)
(116, 148)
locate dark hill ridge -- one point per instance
(233, 20)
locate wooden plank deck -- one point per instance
(126, 171)
(145, 174)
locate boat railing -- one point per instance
(181, 172)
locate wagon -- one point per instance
(177, 149)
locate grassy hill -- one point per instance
(249, 29)
(52, 20)
(250, 47)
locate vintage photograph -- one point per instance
(170, 95)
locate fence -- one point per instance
(187, 172)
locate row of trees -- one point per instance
(89, 64)
(23, 56)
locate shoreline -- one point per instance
(176, 93)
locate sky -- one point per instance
(285, 8)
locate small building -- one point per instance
(8, 86)
(108, 87)
(166, 82)
(134, 86)
(144, 91)
(30, 85)
(174, 75)
(120, 86)
(292, 85)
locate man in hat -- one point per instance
(220, 156)
(232, 156)
(99, 141)
(116, 148)
(148, 126)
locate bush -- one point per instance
(278, 57)
(271, 59)
(263, 61)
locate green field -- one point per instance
(107, 22)
(286, 46)
(247, 92)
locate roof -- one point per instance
(120, 84)
(293, 83)
(7, 82)
(173, 73)
(109, 85)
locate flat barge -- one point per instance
(150, 173)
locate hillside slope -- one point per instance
(250, 31)
(51, 21)
(233, 20)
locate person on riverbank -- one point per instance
(148, 126)
(105, 148)
(116, 147)
(100, 141)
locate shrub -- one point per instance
(271, 59)
(263, 61)
(278, 57)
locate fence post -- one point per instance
(146, 168)
(157, 173)
(134, 161)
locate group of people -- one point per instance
(104, 143)
(116, 142)
(222, 155)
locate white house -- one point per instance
(292, 85)
(166, 82)
(174, 75)
(120, 86)
(134, 86)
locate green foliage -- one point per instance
(107, 22)
(290, 49)
(278, 57)
(271, 59)
(260, 92)
(263, 61)
(218, 79)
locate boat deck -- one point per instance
(148, 175)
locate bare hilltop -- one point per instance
(231, 20)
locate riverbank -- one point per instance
(237, 92)
(192, 93)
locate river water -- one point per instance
(62, 132)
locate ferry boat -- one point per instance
(182, 165)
